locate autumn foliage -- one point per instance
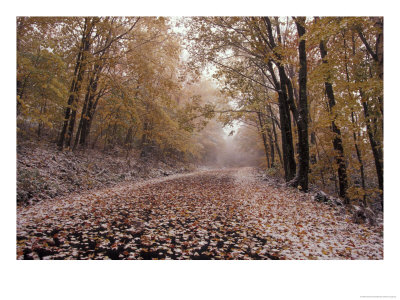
(313, 90)
(308, 92)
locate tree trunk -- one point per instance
(78, 67)
(82, 133)
(360, 161)
(83, 113)
(375, 145)
(275, 135)
(89, 119)
(302, 120)
(69, 119)
(79, 130)
(337, 141)
(289, 163)
(358, 152)
(144, 142)
(287, 139)
(379, 46)
(271, 147)
(264, 137)
(20, 93)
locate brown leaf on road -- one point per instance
(214, 214)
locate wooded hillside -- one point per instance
(308, 92)
(313, 89)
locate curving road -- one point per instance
(213, 214)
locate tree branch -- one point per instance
(369, 49)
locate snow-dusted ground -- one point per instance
(211, 214)
(297, 227)
(43, 172)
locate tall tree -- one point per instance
(337, 140)
(302, 120)
(285, 98)
(80, 67)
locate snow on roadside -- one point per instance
(43, 172)
(216, 214)
(299, 228)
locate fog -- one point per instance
(227, 147)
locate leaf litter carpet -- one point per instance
(212, 214)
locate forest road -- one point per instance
(209, 214)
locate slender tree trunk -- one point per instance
(379, 45)
(319, 158)
(289, 163)
(302, 116)
(89, 120)
(337, 141)
(106, 137)
(128, 144)
(375, 145)
(128, 138)
(20, 93)
(20, 25)
(285, 79)
(22, 85)
(69, 119)
(70, 131)
(78, 67)
(144, 142)
(379, 54)
(83, 113)
(264, 137)
(87, 107)
(275, 135)
(94, 81)
(40, 125)
(313, 157)
(358, 152)
(113, 135)
(79, 130)
(360, 161)
(287, 139)
(91, 106)
(271, 147)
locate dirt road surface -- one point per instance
(209, 214)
